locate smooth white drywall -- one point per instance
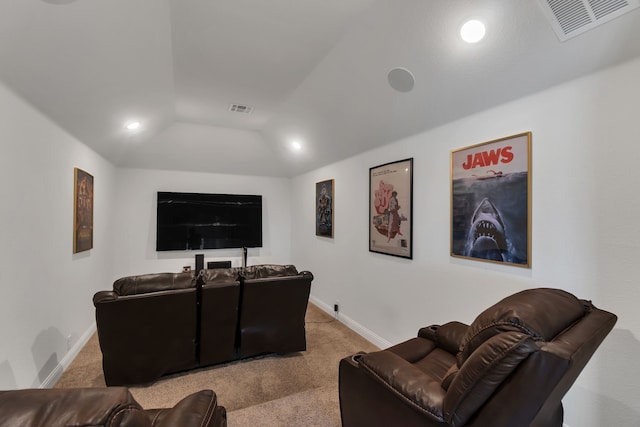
(135, 213)
(585, 231)
(46, 304)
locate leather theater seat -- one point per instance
(511, 367)
(273, 305)
(147, 327)
(104, 407)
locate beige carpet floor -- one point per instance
(299, 389)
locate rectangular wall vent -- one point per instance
(570, 18)
(238, 108)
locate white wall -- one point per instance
(135, 213)
(585, 232)
(46, 291)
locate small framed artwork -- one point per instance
(82, 211)
(324, 208)
(391, 209)
(491, 201)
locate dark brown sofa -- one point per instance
(104, 407)
(156, 324)
(511, 367)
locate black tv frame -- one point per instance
(197, 221)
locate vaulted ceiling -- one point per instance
(315, 71)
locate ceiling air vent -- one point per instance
(238, 108)
(570, 18)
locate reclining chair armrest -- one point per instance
(111, 406)
(448, 336)
(306, 273)
(428, 332)
(406, 381)
(104, 296)
(196, 410)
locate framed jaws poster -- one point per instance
(391, 209)
(491, 201)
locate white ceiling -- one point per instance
(314, 70)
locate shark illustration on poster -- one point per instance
(490, 201)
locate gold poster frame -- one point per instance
(491, 201)
(82, 211)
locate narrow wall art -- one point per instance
(324, 208)
(82, 211)
(491, 201)
(391, 209)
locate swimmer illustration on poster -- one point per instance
(390, 208)
(490, 201)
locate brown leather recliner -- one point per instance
(147, 327)
(273, 305)
(104, 407)
(510, 368)
(219, 299)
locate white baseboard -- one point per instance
(351, 324)
(57, 372)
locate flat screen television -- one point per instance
(190, 221)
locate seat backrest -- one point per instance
(144, 336)
(218, 315)
(272, 312)
(514, 366)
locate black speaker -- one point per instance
(218, 264)
(199, 262)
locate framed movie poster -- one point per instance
(391, 209)
(82, 211)
(491, 201)
(324, 208)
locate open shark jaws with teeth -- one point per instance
(487, 238)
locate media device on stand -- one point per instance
(218, 264)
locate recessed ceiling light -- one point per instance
(133, 125)
(472, 31)
(296, 145)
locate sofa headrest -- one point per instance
(540, 313)
(146, 283)
(220, 275)
(268, 270)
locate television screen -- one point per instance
(208, 221)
